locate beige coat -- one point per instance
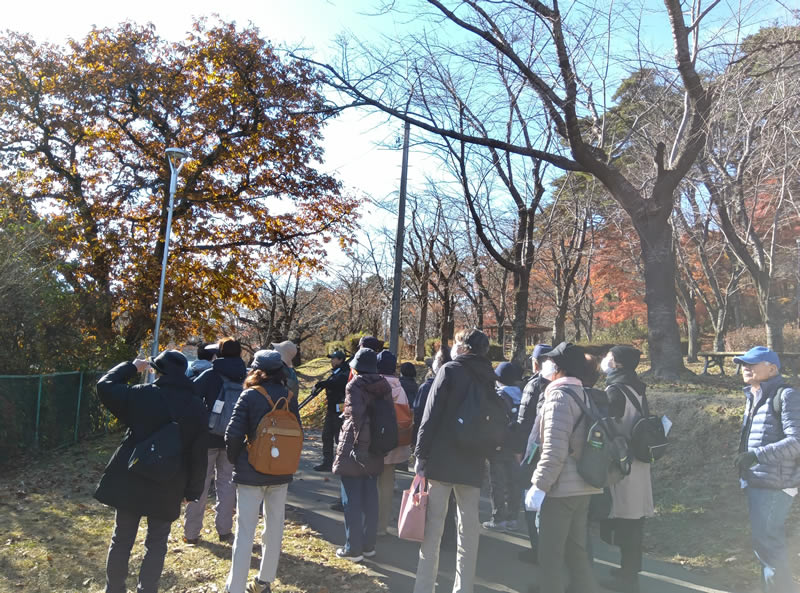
(403, 452)
(632, 498)
(561, 443)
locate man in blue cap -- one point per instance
(769, 462)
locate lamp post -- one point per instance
(176, 157)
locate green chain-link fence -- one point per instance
(49, 411)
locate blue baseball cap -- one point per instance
(758, 354)
(540, 349)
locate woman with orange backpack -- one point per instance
(263, 468)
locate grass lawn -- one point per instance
(54, 537)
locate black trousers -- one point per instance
(119, 552)
(330, 435)
(504, 491)
(628, 535)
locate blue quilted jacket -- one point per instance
(776, 443)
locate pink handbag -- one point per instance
(411, 522)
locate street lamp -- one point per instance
(177, 157)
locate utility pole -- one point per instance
(394, 326)
(797, 284)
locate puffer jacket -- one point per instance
(353, 457)
(776, 443)
(401, 453)
(562, 437)
(250, 408)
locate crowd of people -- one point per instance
(535, 470)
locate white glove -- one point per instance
(534, 499)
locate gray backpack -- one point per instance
(605, 458)
(222, 411)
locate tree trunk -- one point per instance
(693, 336)
(423, 322)
(774, 326)
(559, 325)
(663, 335)
(446, 327)
(521, 281)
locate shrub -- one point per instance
(496, 351)
(744, 338)
(432, 346)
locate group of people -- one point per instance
(535, 470)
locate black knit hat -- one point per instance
(569, 358)
(407, 369)
(365, 361)
(627, 357)
(477, 342)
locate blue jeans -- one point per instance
(769, 509)
(360, 501)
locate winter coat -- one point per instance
(334, 387)
(410, 387)
(403, 452)
(632, 497)
(250, 408)
(776, 443)
(419, 407)
(144, 409)
(196, 368)
(353, 457)
(562, 436)
(437, 451)
(528, 405)
(209, 384)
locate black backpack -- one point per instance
(158, 457)
(482, 420)
(605, 458)
(382, 426)
(221, 412)
(648, 437)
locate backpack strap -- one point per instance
(631, 393)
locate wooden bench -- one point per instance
(789, 361)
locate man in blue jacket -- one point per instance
(769, 462)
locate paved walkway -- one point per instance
(499, 568)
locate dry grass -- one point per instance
(54, 537)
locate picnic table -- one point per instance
(789, 361)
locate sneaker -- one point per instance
(494, 525)
(369, 554)
(342, 553)
(257, 586)
(226, 539)
(191, 542)
(620, 584)
(323, 467)
(511, 525)
(337, 506)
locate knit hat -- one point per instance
(371, 342)
(508, 373)
(387, 363)
(477, 342)
(365, 361)
(627, 357)
(170, 362)
(268, 361)
(287, 351)
(408, 370)
(568, 357)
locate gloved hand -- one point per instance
(419, 468)
(534, 499)
(745, 460)
(319, 384)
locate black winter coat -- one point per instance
(248, 412)
(208, 384)
(528, 408)
(410, 387)
(144, 409)
(439, 455)
(334, 387)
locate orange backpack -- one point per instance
(279, 440)
(405, 423)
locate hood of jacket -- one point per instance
(231, 367)
(479, 366)
(372, 383)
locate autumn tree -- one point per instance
(83, 130)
